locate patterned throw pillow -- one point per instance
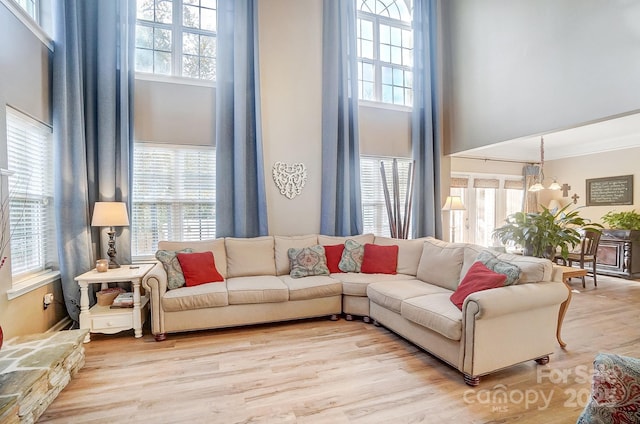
(496, 265)
(351, 256)
(615, 391)
(169, 259)
(307, 261)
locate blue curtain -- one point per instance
(92, 107)
(341, 206)
(241, 205)
(425, 137)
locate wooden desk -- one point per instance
(567, 274)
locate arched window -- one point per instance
(385, 51)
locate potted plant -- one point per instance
(629, 220)
(541, 234)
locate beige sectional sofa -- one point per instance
(495, 329)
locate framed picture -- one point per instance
(610, 191)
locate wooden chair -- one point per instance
(587, 254)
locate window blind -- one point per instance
(31, 213)
(374, 211)
(173, 195)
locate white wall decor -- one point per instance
(289, 178)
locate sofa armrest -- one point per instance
(511, 299)
(155, 284)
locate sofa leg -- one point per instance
(333, 317)
(367, 320)
(471, 380)
(543, 361)
(376, 323)
(160, 337)
(348, 317)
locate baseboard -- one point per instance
(64, 324)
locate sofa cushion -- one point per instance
(199, 268)
(409, 252)
(615, 391)
(211, 295)
(390, 294)
(250, 256)
(333, 252)
(352, 255)
(284, 243)
(308, 261)
(355, 283)
(257, 289)
(171, 265)
(216, 247)
(477, 279)
(441, 263)
(379, 259)
(532, 269)
(312, 287)
(510, 270)
(435, 312)
(362, 239)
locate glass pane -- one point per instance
(485, 215)
(366, 29)
(387, 75)
(196, 2)
(190, 43)
(162, 63)
(408, 79)
(408, 97)
(144, 60)
(387, 94)
(398, 95)
(385, 53)
(145, 9)
(368, 91)
(407, 39)
(207, 68)
(398, 77)
(385, 34)
(164, 11)
(396, 55)
(396, 36)
(191, 16)
(208, 46)
(190, 66)
(208, 17)
(162, 39)
(144, 36)
(407, 57)
(211, 4)
(367, 72)
(367, 49)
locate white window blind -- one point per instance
(31, 213)
(174, 195)
(374, 211)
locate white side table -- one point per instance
(103, 319)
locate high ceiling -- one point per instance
(612, 134)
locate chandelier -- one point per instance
(539, 179)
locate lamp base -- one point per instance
(111, 252)
(113, 264)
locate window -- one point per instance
(385, 51)
(488, 199)
(174, 195)
(31, 210)
(374, 210)
(177, 37)
(31, 7)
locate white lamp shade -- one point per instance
(536, 187)
(554, 185)
(453, 203)
(110, 214)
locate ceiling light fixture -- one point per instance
(539, 179)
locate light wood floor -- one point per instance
(319, 371)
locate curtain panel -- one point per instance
(241, 205)
(530, 199)
(425, 129)
(92, 119)
(341, 205)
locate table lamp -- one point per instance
(453, 203)
(110, 214)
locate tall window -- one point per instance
(31, 213)
(173, 195)
(32, 7)
(385, 51)
(374, 211)
(177, 37)
(488, 199)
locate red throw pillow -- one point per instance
(478, 278)
(379, 259)
(333, 254)
(199, 268)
